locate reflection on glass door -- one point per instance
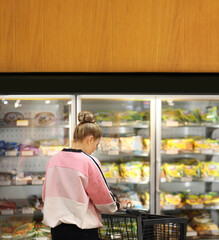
(124, 150)
(189, 166)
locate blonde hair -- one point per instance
(87, 126)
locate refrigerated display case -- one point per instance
(125, 152)
(32, 129)
(160, 153)
(187, 166)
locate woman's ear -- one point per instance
(90, 139)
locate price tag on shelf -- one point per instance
(5, 183)
(20, 182)
(113, 152)
(163, 179)
(27, 153)
(208, 179)
(37, 182)
(172, 151)
(186, 179)
(107, 123)
(170, 123)
(207, 151)
(7, 211)
(169, 207)
(12, 153)
(197, 206)
(22, 123)
(27, 210)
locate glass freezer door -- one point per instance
(125, 149)
(188, 162)
(32, 129)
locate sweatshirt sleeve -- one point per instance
(99, 192)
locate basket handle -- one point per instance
(132, 211)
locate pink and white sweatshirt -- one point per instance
(75, 191)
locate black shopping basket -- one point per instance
(139, 225)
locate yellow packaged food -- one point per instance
(51, 150)
(162, 175)
(146, 172)
(200, 145)
(145, 198)
(193, 199)
(162, 199)
(110, 170)
(189, 116)
(182, 145)
(210, 169)
(171, 115)
(173, 199)
(211, 198)
(132, 171)
(146, 145)
(173, 171)
(192, 170)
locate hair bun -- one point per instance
(86, 117)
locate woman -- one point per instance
(75, 192)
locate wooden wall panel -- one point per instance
(109, 36)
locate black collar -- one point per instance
(71, 150)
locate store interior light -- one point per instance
(47, 102)
(4, 101)
(69, 102)
(17, 104)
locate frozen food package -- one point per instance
(173, 171)
(132, 116)
(50, 150)
(192, 171)
(145, 171)
(26, 230)
(145, 199)
(210, 169)
(29, 150)
(192, 168)
(146, 145)
(206, 144)
(44, 119)
(110, 170)
(128, 144)
(189, 116)
(12, 117)
(210, 114)
(107, 144)
(104, 116)
(173, 199)
(182, 145)
(192, 199)
(209, 228)
(171, 115)
(131, 171)
(6, 230)
(211, 198)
